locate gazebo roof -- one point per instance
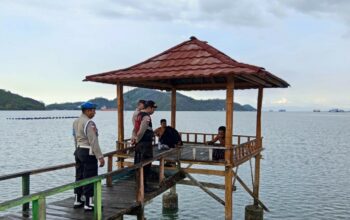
(191, 65)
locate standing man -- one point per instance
(139, 108)
(87, 153)
(143, 139)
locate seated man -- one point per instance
(219, 154)
(168, 136)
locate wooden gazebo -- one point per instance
(195, 65)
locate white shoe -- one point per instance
(78, 203)
(91, 202)
(88, 208)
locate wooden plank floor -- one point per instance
(116, 200)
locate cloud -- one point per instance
(253, 13)
(339, 9)
(197, 12)
(249, 13)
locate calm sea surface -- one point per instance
(305, 172)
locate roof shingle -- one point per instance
(186, 62)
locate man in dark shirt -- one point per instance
(169, 137)
(143, 139)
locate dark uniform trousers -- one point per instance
(143, 152)
(86, 166)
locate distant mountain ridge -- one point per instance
(10, 101)
(163, 100)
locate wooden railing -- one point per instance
(245, 151)
(25, 175)
(244, 146)
(39, 199)
(201, 138)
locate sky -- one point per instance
(48, 47)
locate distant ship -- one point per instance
(336, 110)
(317, 110)
(282, 110)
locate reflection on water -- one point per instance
(305, 172)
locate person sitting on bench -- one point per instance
(168, 136)
(219, 154)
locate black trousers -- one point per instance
(144, 151)
(86, 166)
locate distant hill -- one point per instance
(183, 103)
(10, 101)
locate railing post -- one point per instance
(140, 187)
(161, 170)
(97, 200)
(109, 169)
(25, 191)
(39, 209)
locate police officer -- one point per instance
(87, 153)
(143, 139)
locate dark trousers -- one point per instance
(218, 154)
(144, 151)
(86, 166)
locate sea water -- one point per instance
(305, 171)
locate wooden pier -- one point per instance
(117, 200)
(191, 65)
(122, 194)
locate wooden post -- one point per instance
(39, 209)
(97, 200)
(229, 120)
(140, 213)
(25, 191)
(228, 144)
(161, 170)
(109, 169)
(120, 99)
(120, 105)
(259, 143)
(173, 122)
(173, 107)
(140, 187)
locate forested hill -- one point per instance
(183, 103)
(10, 101)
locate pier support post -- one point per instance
(253, 212)
(229, 146)
(25, 191)
(120, 106)
(140, 214)
(259, 141)
(170, 201)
